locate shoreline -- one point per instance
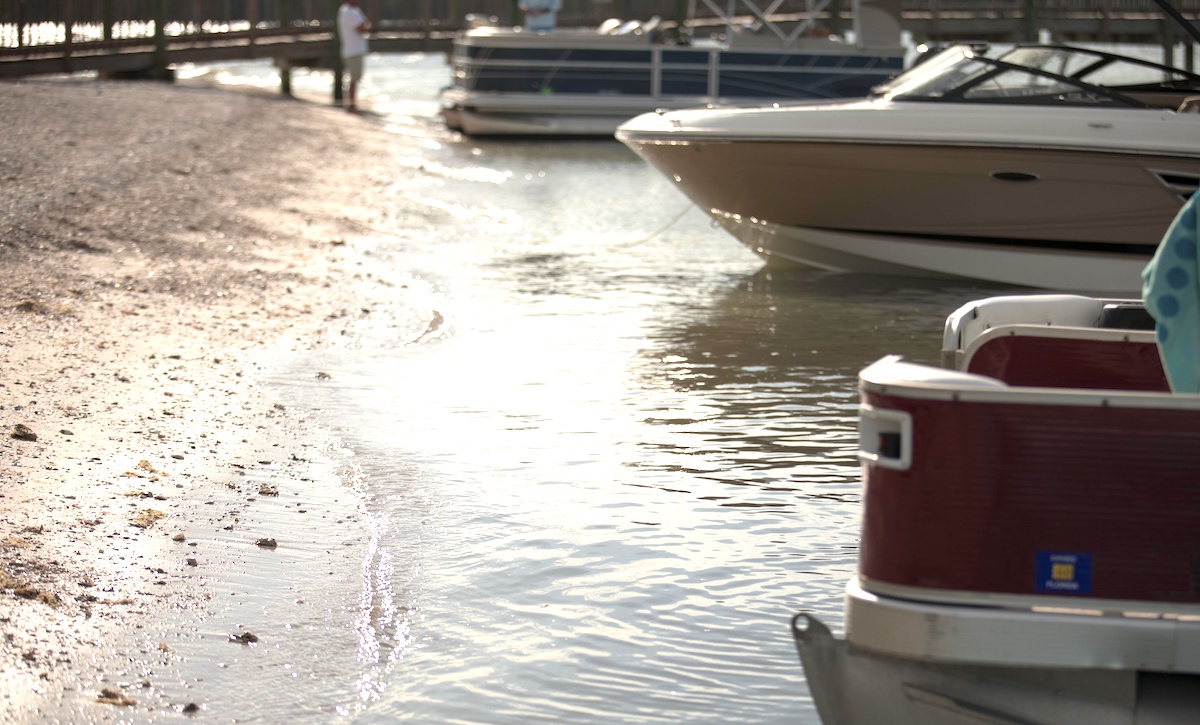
(156, 241)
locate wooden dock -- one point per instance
(145, 57)
(147, 38)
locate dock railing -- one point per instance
(144, 36)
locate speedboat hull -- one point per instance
(1018, 210)
(1049, 166)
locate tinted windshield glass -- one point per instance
(937, 76)
(1062, 61)
(1017, 84)
(1025, 75)
(1102, 70)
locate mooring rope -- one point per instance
(655, 233)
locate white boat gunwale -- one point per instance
(848, 140)
(1048, 311)
(970, 127)
(894, 377)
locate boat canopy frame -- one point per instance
(762, 17)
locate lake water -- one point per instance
(592, 456)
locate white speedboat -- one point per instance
(584, 82)
(1049, 166)
(1029, 548)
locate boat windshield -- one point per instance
(937, 76)
(1100, 69)
(1036, 75)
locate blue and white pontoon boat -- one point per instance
(585, 82)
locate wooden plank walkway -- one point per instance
(33, 39)
(142, 56)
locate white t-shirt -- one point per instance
(544, 20)
(353, 42)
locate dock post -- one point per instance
(1029, 29)
(836, 26)
(281, 9)
(337, 55)
(426, 14)
(159, 71)
(1168, 43)
(682, 30)
(68, 33)
(106, 19)
(252, 19)
(20, 23)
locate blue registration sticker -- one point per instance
(1061, 573)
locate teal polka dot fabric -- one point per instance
(1171, 292)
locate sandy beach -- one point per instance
(154, 240)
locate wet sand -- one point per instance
(155, 241)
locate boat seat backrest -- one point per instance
(1092, 358)
(972, 320)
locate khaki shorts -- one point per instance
(354, 67)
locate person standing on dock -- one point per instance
(352, 30)
(540, 14)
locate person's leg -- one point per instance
(354, 69)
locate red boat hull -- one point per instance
(1025, 498)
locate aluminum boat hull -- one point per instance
(851, 685)
(1028, 549)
